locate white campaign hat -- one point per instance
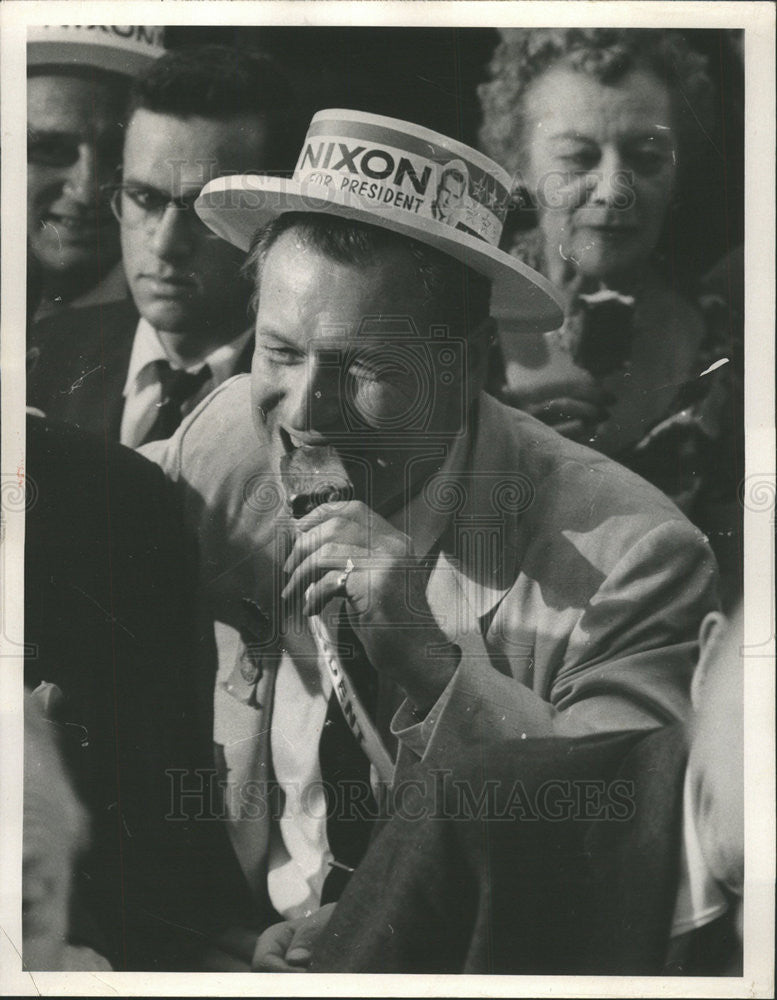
(402, 177)
(126, 49)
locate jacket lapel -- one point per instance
(98, 402)
(478, 561)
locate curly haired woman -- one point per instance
(605, 127)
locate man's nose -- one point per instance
(314, 400)
(172, 236)
(81, 182)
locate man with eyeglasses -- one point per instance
(132, 370)
(77, 83)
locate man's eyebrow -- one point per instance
(273, 334)
(50, 133)
(663, 132)
(370, 354)
(189, 197)
(130, 182)
(576, 136)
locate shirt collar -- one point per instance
(699, 898)
(147, 349)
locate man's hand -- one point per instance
(384, 591)
(288, 946)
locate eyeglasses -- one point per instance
(140, 207)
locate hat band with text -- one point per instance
(415, 178)
(135, 38)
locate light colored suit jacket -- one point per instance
(574, 588)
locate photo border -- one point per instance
(758, 21)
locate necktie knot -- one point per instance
(177, 388)
(178, 385)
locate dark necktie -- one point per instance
(178, 387)
(345, 769)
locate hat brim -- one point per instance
(110, 58)
(236, 207)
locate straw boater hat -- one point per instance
(387, 172)
(125, 49)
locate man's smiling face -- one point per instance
(334, 363)
(73, 147)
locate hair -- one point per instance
(460, 294)
(217, 81)
(455, 173)
(607, 55)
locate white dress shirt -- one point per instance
(143, 391)
(699, 899)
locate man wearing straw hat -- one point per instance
(469, 578)
(77, 82)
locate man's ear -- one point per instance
(710, 633)
(479, 343)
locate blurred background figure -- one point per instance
(130, 371)
(716, 763)
(607, 130)
(55, 833)
(77, 83)
(706, 932)
(112, 658)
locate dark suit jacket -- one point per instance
(77, 365)
(109, 621)
(559, 857)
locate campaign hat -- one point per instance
(124, 49)
(402, 177)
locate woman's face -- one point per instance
(601, 162)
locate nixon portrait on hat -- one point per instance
(451, 193)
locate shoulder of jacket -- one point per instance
(222, 417)
(571, 478)
(115, 320)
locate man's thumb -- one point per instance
(301, 945)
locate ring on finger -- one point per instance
(342, 580)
